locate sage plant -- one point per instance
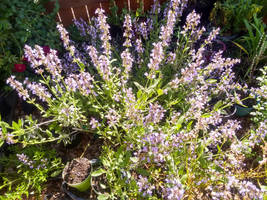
(165, 137)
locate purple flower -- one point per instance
(192, 21)
(25, 160)
(138, 47)
(103, 27)
(82, 82)
(145, 188)
(39, 90)
(94, 123)
(171, 58)
(113, 117)
(174, 190)
(51, 61)
(64, 35)
(10, 139)
(155, 115)
(127, 62)
(81, 26)
(128, 31)
(212, 35)
(156, 56)
(23, 93)
(167, 30)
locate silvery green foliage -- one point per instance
(33, 164)
(163, 139)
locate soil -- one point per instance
(54, 189)
(77, 170)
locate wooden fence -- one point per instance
(76, 9)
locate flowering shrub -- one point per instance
(165, 137)
(31, 169)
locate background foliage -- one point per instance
(23, 22)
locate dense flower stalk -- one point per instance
(192, 21)
(174, 13)
(139, 49)
(190, 29)
(86, 29)
(101, 63)
(65, 38)
(23, 93)
(143, 30)
(156, 56)
(37, 58)
(127, 62)
(104, 31)
(82, 82)
(155, 8)
(25, 160)
(155, 115)
(39, 90)
(132, 112)
(213, 34)
(64, 35)
(128, 31)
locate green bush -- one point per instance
(229, 14)
(23, 22)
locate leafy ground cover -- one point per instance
(154, 101)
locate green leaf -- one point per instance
(49, 133)
(1, 142)
(206, 115)
(140, 87)
(98, 172)
(184, 178)
(263, 188)
(241, 47)
(134, 159)
(15, 125)
(189, 125)
(142, 171)
(179, 123)
(103, 196)
(160, 92)
(212, 81)
(139, 94)
(56, 173)
(218, 105)
(155, 84)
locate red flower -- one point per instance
(19, 67)
(46, 50)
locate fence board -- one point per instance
(79, 9)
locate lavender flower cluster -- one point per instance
(25, 160)
(30, 163)
(9, 138)
(82, 82)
